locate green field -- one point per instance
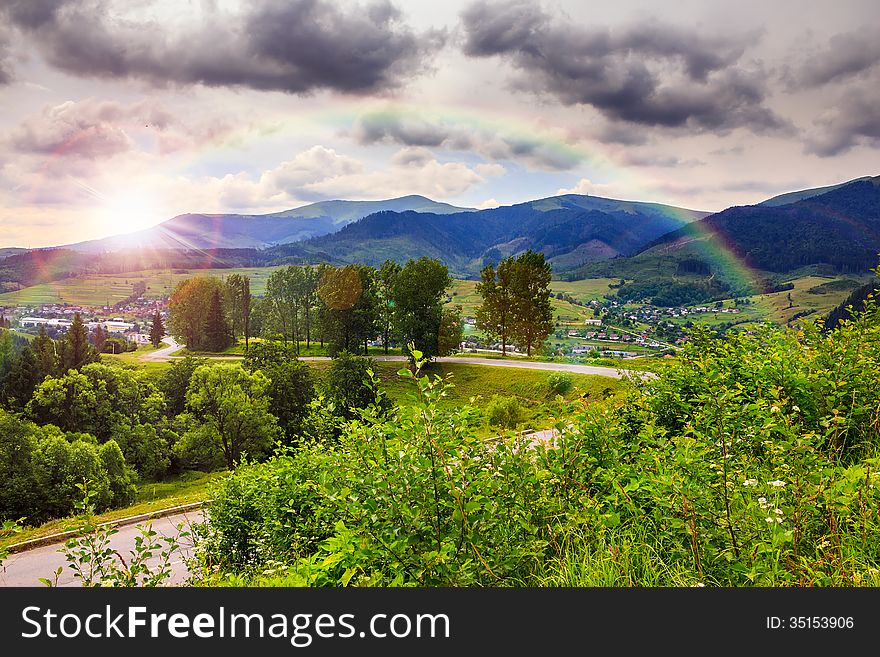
(107, 289)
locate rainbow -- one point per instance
(342, 115)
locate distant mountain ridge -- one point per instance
(568, 229)
(234, 231)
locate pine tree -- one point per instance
(76, 350)
(157, 330)
(46, 353)
(216, 326)
(99, 338)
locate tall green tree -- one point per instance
(533, 313)
(387, 279)
(157, 330)
(281, 298)
(419, 293)
(75, 348)
(349, 308)
(99, 338)
(217, 333)
(238, 295)
(23, 377)
(451, 331)
(190, 308)
(46, 352)
(495, 315)
(228, 416)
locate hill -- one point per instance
(750, 249)
(236, 231)
(570, 229)
(792, 197)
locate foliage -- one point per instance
(238, 299)
(504, 412)
(175, 382)
(418, 294)
(516, 301)
(41, 467)
(349, 384)
(228, 416)
(197, 318)
(95, 563)
(291, 387)
(559, 383)
(751, 460)
(451, 331)
(349, 309)
(157, 330)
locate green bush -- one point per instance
(504, 412)
(559, 383)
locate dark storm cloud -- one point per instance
(854, 121)
(646, 73)
(412, 131)
(294, 46)
(848, 55)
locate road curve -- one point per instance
(166, 354)
(163, 354)
(25, 568)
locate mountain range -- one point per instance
(656, 247)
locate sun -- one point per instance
(128, 211)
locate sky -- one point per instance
(119, 115)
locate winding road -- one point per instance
(167, 353)
(26, 568)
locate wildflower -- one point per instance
(774, 409)
(776, 483)
(750, 482)
(762, 502)
(698, 585)
(769, 519)
(796, 409)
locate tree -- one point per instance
(23, 378)
(282, 304)
(291, 387)
(238, 295)
(387, 278)
(451, 331)
(516, 301)
(75, 348)
(349, 308)
(99, 338)
(157, 330)
(418, 304)
(175, 383)
(349, 384)
(45, 352)
(533, 313)
(228, 416)
(190, 309)
(494, 316)
(217, 333)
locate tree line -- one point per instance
(342, 308)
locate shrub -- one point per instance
(559, 383)
(504, 412)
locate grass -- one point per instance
(185, 488)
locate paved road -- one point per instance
(163, 354)
(25, 568)
(167, 353)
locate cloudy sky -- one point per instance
(118, 115)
